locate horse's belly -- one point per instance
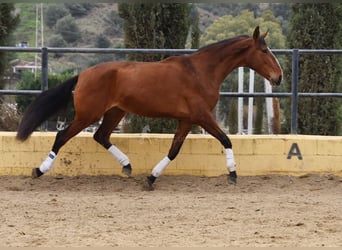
(155, 106)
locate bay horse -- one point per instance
(184, 87)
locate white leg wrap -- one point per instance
(159, 168)
(118, 155)
(47, 163)
(231, 165)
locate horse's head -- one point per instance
(262, 60)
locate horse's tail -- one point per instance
(45, 105)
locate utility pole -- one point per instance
(39, 34)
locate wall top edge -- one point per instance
(190, 136)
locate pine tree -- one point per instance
(8, 22)
(316, 26)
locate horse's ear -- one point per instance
(256, 33)
(265, 34)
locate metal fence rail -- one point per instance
(294, 94)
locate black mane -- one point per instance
(223, 42)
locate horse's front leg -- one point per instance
(209, 124)
(181, 133)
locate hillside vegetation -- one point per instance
(99, 25)
(103, 19)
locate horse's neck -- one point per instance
(218, 62)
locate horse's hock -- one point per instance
(201, 155)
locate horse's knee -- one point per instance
(172, 155)
(59, 140)
(228, 144)
(97, 137)
(101, 139)
(225, 141)
(173, 152)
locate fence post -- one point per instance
(44, 83)
(240, 101)
(294, 91)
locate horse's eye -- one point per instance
(264, 51)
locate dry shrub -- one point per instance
(9, 118)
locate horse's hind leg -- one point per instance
(61, 138)
(110, 120)
(181, 133)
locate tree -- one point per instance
(8, 22)
(79, 9)
(68, 29)
(175, 25)
(113, 24)
(102, 41)
(316, 26)
(195, 30)
(54, 13)
(279, 10)
(154, 26)
(57, 41)
(245, 23)
(227, 27)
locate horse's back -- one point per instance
(155, 89)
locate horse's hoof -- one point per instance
(149, 183)
(127, 170)
(36, 173)
(232, 178)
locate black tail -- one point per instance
(45, 105)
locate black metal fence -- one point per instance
(294, 94)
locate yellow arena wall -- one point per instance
(201, 155)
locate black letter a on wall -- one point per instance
(294, 151)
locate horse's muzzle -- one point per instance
(276, 81)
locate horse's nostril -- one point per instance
(278, 81)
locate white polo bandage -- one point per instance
(159, 168)
(231, 165)
(48, 162)
(118, 155)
